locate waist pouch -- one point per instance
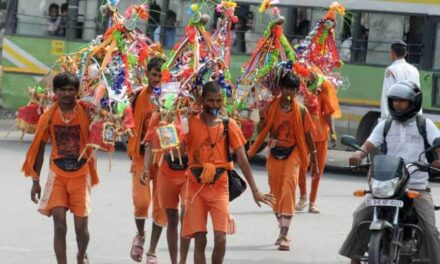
(69, 164)
(281, 153)
(196, 172)
(175, 165)
(142, 149)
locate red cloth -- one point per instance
(27, 117)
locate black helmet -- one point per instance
(405, 90)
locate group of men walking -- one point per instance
(199, 187)
(298, 136)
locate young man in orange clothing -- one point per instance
(289, 125)
(171, 188)
(66, 125)
(207, 175)
(321, 110)
(143, 109)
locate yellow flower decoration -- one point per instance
(339, 8)
(264, 6)
(230, 4)
(195, 7)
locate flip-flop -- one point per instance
(137, 248)
(278, 241)
(85, 259)
(152, 259)
(284, 244)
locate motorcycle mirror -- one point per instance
(349, 141)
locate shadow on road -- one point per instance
(253, 213)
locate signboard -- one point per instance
(57, 47)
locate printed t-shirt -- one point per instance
(67, 142)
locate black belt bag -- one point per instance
(176, 165)
(197, 172)
(282, 153)
(236, 185)
(142, 149)
(69, 164)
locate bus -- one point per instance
(363, 37)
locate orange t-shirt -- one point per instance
(67, 142)
(320, 133)
(150, 131)
(208, 144)
(282, 129)
(149, 111)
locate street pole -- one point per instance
(72, 16)
(166, 6)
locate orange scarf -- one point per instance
(43, 124)
(297, 127)
(134, 143)
(329, 88)
(209, 170)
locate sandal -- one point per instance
(85, 259)
(278, 241)
(152, 259)
(284, 244)
(137, 248)
(313, 209)
(302, 204)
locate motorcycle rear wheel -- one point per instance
(379, 248)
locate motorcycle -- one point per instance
(394, 236)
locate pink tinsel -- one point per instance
(129, 12)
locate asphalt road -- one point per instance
(26, 236)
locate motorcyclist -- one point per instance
(404, 140)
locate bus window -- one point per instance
(436, 90)
(413, 36)
(359, 40)
(33, 18)
(301, 25)
(383, 29)
(11, 17)
(346, 39)
(436, 62)
(377, 30)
